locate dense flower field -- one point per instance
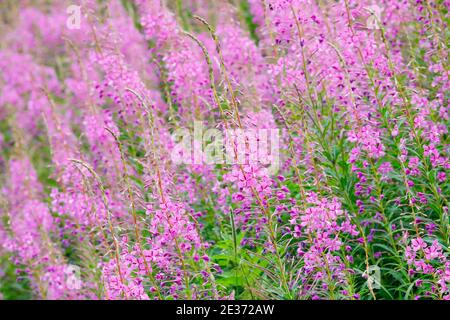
(224, 149)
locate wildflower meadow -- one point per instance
(224, 150)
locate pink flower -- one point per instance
(418, 244)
